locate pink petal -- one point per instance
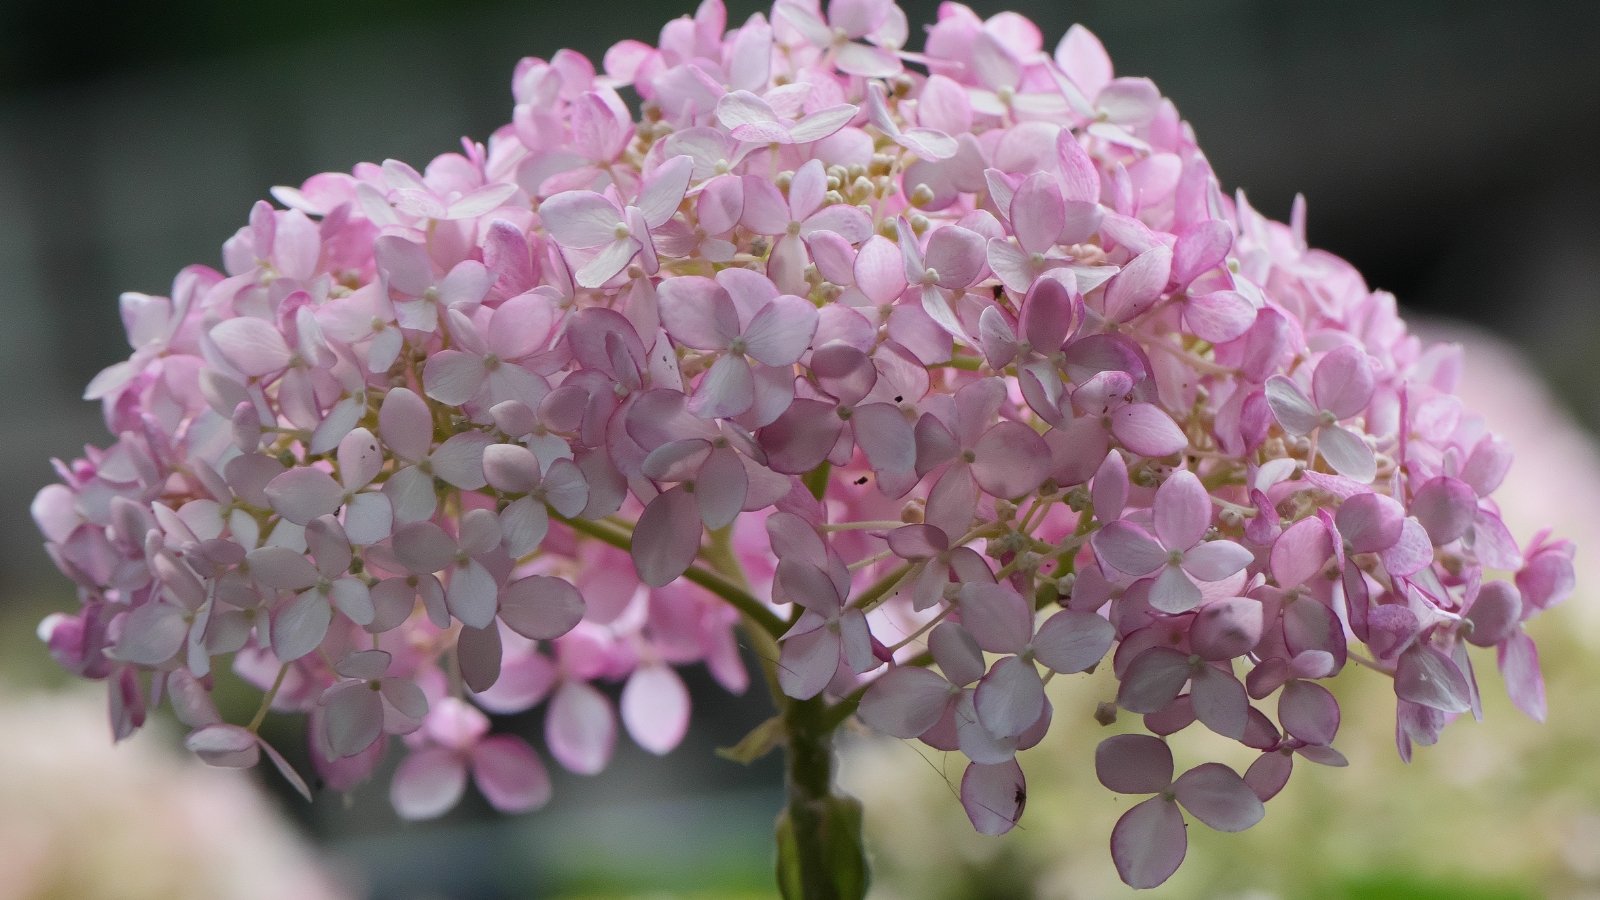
(1216, 560)
(1174, 592)
(1519, 665)
(1300, 552)
(459, 460)
(405, 424)
(453, 377)
(1010, 698)
(802, 437)
(471, 594)
(1445, 506)
(580, 729)
(229, 746)
(1220, 702)
(1309, 712)
(1182, 511)
(1011, 460)
(1291, 406)
(427, 784)
(509, 774)
(1134, 764)
(721, 488)
(1139, 285)
(353, 717)
(1217, 796)
(1227, 628)
(1148, 843)
(1343, 382)
(541, 607)
(1037, 213)
(1347, 453)
(957, 653)
(1219, 316)
(1152, 680)
(1427, 677)
(299, 626)
(1370, 522)
(667, 537)
(697, 312)
(1147, 430)
(1269, 773)
(580, 219)
(151, 634)
(1128, 549)
(1072, 641)
(905, 702)
(1200, 248)
(1495, 614)
(253, 346)
(806, 663)
(655, 708)
(994, 796)
(997, 616)
(480, 652)
(781, 332)
(302, 494)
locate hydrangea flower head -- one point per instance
(941, 372)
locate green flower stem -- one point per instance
(712, 581)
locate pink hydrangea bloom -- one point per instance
(888, 355)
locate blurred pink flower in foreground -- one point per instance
(80, 818)
(882, 362)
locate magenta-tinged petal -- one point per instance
(471, 594)
(1072, 641)
(1011, 459)
(905, 702)
(727, 390)
(1347, 453)
(1494, 614)
(1152, 680)
(453, 377)
(510, 468)
(423, 547)
(957, 653)
(1427, 677)
(1182, 511)
(1217, 796)
(781, 331)
(997, 616)
(1300, 552)
(509, 774)
(579, 728)
(994, 796)
(541, 607)
(1343, 382)
(580, 219)
(353, 717)
(253, 346)
(1139, 285)
(459, 460)
(1412, 553)
(1445, 506)
(667, 537)
(151, 634)
(1291, 406)
(721, 488)
(1109, 492)
(1010, 697)
(917, 541)
(697, 312)
(229, 746)
(1519, 665)
(299, 626)
(1216, 560)
(1219, 702)
(1219, 316)
(655, 708)
(806, 663)
(802, 437)
(1227, 628)
(1134, 764)
(1038, 213)
(1128, 548)
(1309, 712)
(1370, 522)
(1200, 247)
(428, 783)
(406, 424)
(1148, 843)
(1174, 592)
(1269, 773)
(1147, 430)
(302, 494)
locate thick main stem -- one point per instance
(809, 783)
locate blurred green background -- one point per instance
(1446, 148)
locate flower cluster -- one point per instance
(949, 371)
